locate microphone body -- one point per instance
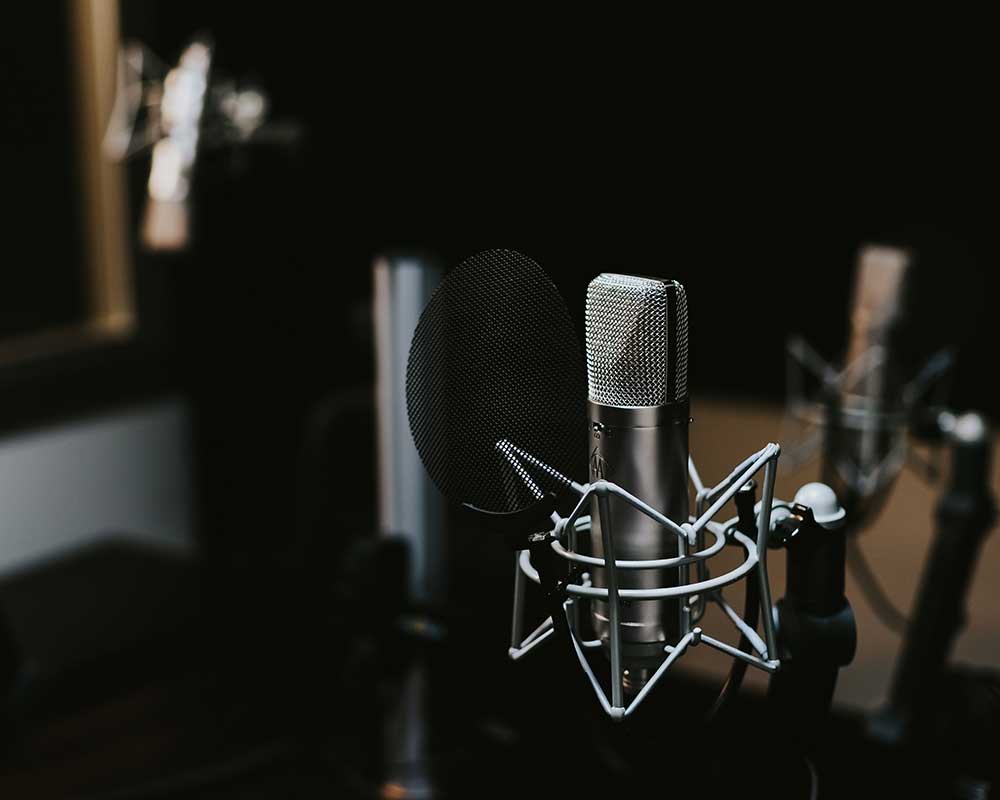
(639, 414)
(645, 451)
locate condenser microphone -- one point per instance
(637, 348)
(866, 417)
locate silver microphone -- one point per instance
(637, 347)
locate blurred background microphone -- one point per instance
(637, 348)
(865, 420)
(409, 508)
(865, 406)
(409, 505)
(175, 112)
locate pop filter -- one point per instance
(495, 385)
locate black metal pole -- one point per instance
(965, 514)
(816, 629)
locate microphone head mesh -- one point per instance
(637, 341)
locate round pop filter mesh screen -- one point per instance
(495, 371)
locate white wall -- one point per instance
(126, 472)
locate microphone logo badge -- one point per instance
(598, 466)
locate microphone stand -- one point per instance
(928, 703)
(816, 628)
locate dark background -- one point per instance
(268, 312)
(264, 323)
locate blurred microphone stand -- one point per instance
(951, 712)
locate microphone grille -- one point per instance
(637, 340)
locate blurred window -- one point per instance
(65, 280)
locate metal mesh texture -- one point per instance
(637, 341)
(495, 372)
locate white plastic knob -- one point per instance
(823, 502)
